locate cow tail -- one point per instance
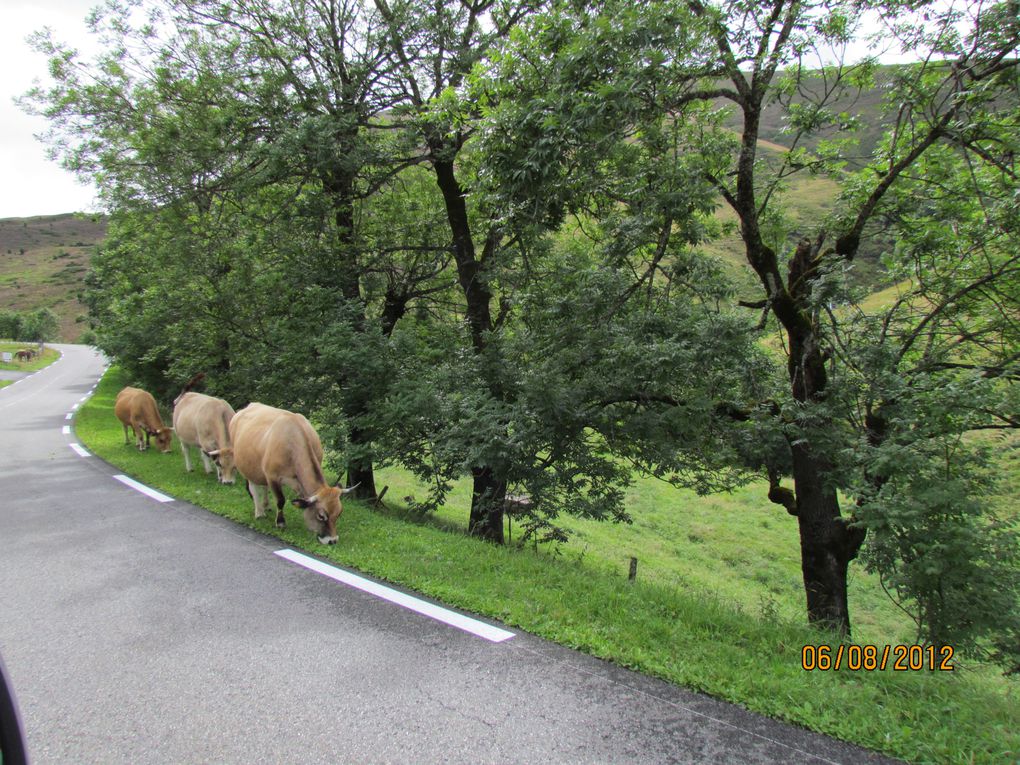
(193, 382)
(189, 385)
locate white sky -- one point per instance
(31, 184)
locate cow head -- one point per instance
(224, 459)
(322, 511)
(164, 438)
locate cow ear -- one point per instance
(302, 503)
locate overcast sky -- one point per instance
(31, 183)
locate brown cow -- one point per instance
(204, 421)
(273, 448)
(136, 409)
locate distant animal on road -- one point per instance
(204, 421)
(136, 409)
(274, 448)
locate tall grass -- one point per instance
(697, 629)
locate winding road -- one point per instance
(140, 631)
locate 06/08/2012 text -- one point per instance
(869, 658)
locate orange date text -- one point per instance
(869, 658)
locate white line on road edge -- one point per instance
(69, 415)
(66, 430)
(143, 489)
(80, 450)
(466, 623)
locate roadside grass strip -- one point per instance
(431, 610)
(677, 631)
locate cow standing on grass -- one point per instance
(204, 421)
(274, 448)
(136, 409)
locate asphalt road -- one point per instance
(137, 632)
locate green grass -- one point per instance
(699, 631)
(47, 357)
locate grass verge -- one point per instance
(686, 637)
(47, 357)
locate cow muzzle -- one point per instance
(328, 540)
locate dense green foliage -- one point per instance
(37, 326)
(470, 238)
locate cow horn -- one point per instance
(349, 489)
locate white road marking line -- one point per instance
(80, 450)
(75, 408)
(143, 489)
(69, 415)
(66, 430)
(466, 623)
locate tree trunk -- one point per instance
(486, 519)
(477, 294)
(346, 279)
(487, 499)
(827, 544)
(360, 472)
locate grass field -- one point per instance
(705, 622)
(47, 357)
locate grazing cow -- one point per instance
(136, 409)
(24, 355)
(273, 448)
(204, 421)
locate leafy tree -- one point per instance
(222, 103)
(592, 77)
(39, 326)
(436, 46)
(10, 324)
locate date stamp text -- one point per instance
(871, 658)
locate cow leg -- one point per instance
(257, 496)
(206, 462)
(186, 451)
(127, 438)
(278, 493)
(140, 442)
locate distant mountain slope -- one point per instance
(43, 261)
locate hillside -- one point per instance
(43, 261)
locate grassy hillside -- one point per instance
(43, 262)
